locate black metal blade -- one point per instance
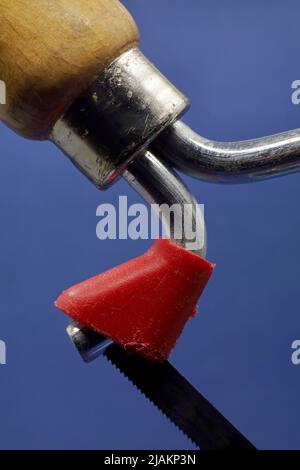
(179, 401)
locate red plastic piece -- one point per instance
(145, 303)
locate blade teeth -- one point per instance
(119, 368)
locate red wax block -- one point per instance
(145, 303)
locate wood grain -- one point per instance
(51, 50)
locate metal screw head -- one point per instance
(88, 342)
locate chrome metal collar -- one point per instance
(118, 116)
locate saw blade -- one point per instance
(169, 391)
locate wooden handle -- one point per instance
(51, 50)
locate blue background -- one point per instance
(236, 62)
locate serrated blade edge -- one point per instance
(177, 399)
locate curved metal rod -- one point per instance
(160, 186)
(229, 162)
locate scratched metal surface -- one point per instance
(235, 61)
